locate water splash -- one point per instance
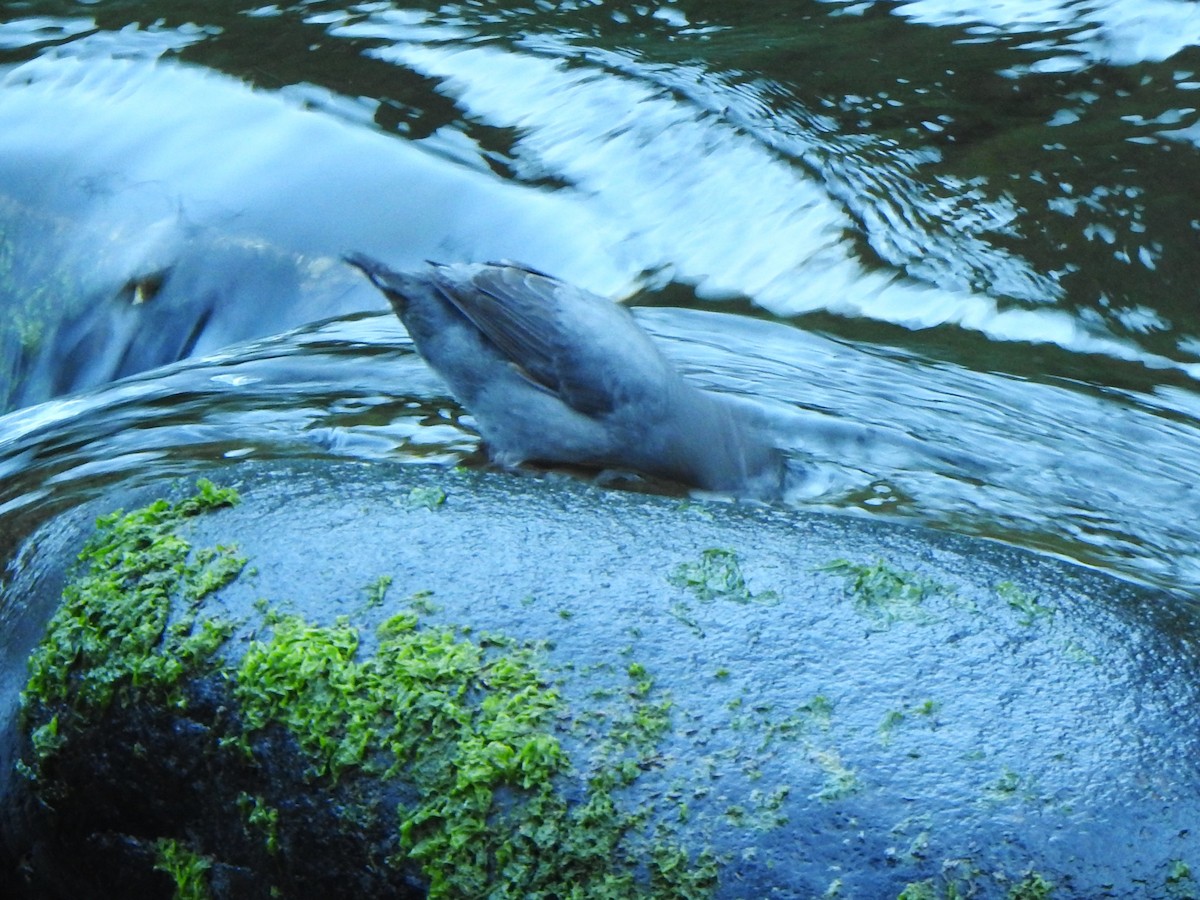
(874, 432)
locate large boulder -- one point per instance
(372, 680)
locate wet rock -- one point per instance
(336, 687)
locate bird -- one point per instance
(557, 375)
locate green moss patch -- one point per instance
(1029, 610)
(882, 591)
(429, 497)
(129, 621)
(472, 729)
(717, 575)
(960, 880)
(450, 754)
(188, 870)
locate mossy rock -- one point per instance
(367, 680)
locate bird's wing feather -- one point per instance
(522, 313)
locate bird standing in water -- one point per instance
(554, 374)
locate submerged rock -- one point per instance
(404, 681)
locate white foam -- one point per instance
(1116, 32)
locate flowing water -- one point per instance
(952, 248)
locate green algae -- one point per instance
(895, 718)
(1179, 871)
(473, 732)
(883, 591)
(428, 497)
(919, 890)
(814, 715)
(1179, 880)
(891, 721)
(960, 880)
(261, 819)
(128, 624)
(377, 591)
(717, 575)
(1032, 886)
(188, 869)
(840, 780)
(1029, 610)
(625, 832)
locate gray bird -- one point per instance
(554, 374)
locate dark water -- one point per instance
(953, 248)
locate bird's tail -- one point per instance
(396, 286)
(379, 273)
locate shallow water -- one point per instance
(949, 247)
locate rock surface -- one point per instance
(413, 677)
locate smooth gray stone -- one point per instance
(985, 733)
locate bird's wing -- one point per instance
(546, 329)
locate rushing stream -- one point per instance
(951, 247)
